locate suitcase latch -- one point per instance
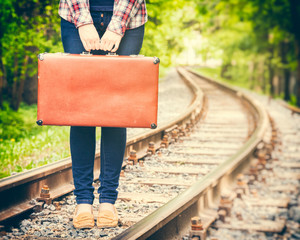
(86, 53)
(111, 54)
(134, 55)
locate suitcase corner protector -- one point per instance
(153, 126)
(41, 56)
(156, 60)
(39, 122)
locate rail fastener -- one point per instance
(262, 158)
(182, 131)
(239, 193)
(45, 195)
(252, 179)
(226, 204)
(242, 184)
(151, 148)
(165, 141)
(122, 173)
(222, 215)
(197, 231)
(141, 163)
(133, 157)
(174, 135)
(188, 129)
(253, 171)
(239, 216)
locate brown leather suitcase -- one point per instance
(93, 90)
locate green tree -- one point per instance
(169, 22)
(27, 28)
(258, 35)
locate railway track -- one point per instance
(218, 148)
(16, 192)
(209, 145)
(264, 203)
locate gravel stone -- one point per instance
(33, 202)
(52, 207)
(37, 233)
(46, 206)
(26, 223)
(294, 213)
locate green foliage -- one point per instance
(293, 100)
(24, 145)
(27, 28)
(254, 39)
(11, 123)
(169, 23)
(47, 146)
(214, 73)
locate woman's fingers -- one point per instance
(109, 46)
(89, 37)
(91, 41)
(88, 46)
(97, 44)
(116, 46)
(110, 40)
(102, 44)
(85, 45)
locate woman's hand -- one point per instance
(110, 41)
(89, 37)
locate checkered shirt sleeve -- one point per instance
(75, 11)
(127, 14)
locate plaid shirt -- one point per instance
(127, 14)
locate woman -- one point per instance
(120, 26)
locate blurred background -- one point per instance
(254, 44)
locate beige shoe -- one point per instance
(107, 218)
(83, 220)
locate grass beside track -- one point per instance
(215, 73)
(25, 145)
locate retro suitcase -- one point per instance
(93, 90)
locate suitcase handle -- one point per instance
(89, 54)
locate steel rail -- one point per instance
(173, 218)
(293, 109)
(17, 191)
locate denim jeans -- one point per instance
(83, 139)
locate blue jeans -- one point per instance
(83, 139)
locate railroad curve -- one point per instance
(210, 143)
